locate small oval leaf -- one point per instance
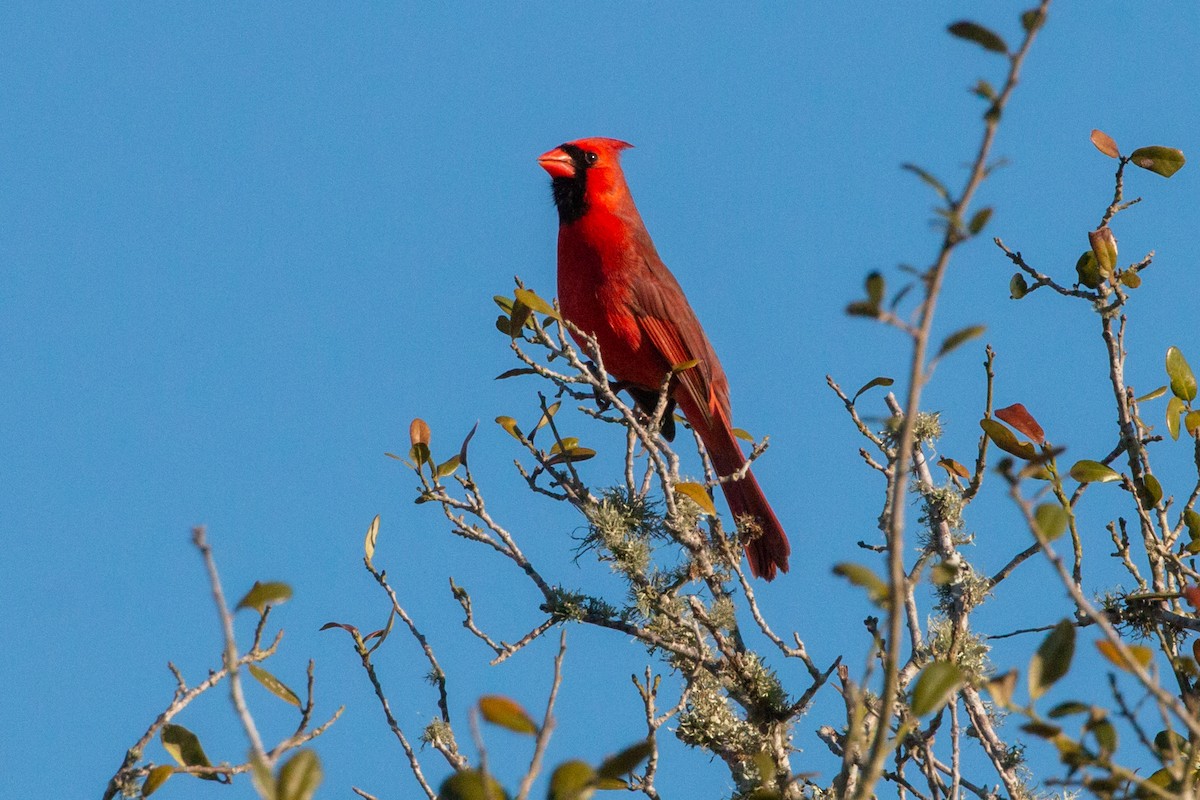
(1183, 382)
(954, 468)
(1088, 271)
(263, 594)
(1088, 471)
(862, 576)
(1022, 421)
(698, 495)
(418, 432)
(274, 685)
(468, 784)
(959, 338)
(1104, 247)
(1051, 519)
(871, 384)
(1165, 161)
(155, 778)
(299, 777)
(974, 32)
(1052, 659)
(530, 299)
(1018, 287)
(506, 713)
(509, 424)
(1105, 144)
(625, 761)
(1175, 410)
(1140, 653)
(369, 541)
(572, 780)
(1154, 395)
(979, 221)
(934, 686)
(1003, 438)
(183, 746)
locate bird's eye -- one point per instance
(590, 158)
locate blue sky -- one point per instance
(243, 246)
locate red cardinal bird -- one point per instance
(613, 285)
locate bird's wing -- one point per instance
(669, 323)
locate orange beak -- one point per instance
(557, 163)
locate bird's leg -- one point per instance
(646, 402)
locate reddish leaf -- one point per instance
(418, 432)
(1192, 595)
(1019, 418)
(1105, 144)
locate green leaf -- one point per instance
(530, 299)
(1151, 491)
(419, 453)
(1032, 19)
(934, 686)
(1105, 144)
(1191, 422)
(1175, 410)
(1042, 730)
(512, 373)
(470, 785)
(1088, 270)
(625, 761)
(183, 746)
(1105, 734)
(984, 89)
(1191, 519)
(738, 433)
(547, 415)
(1154, 395)
(369, 542)
(1067, 709)
(155, 778)
(516, 322)
(862, 576)
(871, 384)
(974, 32)
(698, 495)
(1003, 438)
(274, 685)
(876, 287)
(299, 777)
(1104, 247)
(572, 780)
(1130, 278)
(1165, 161)
(505, 303)
(573, 455)
(1183, 382)
(929, 179)
(1088, 471)
(506, 713)
(448, 467)
(1017, 287)
(509, 424)
(1052, 659)
(1051, 519)
(960, 337)
(567, 444)
(261, 595)
(862, 308)
(979, 220)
